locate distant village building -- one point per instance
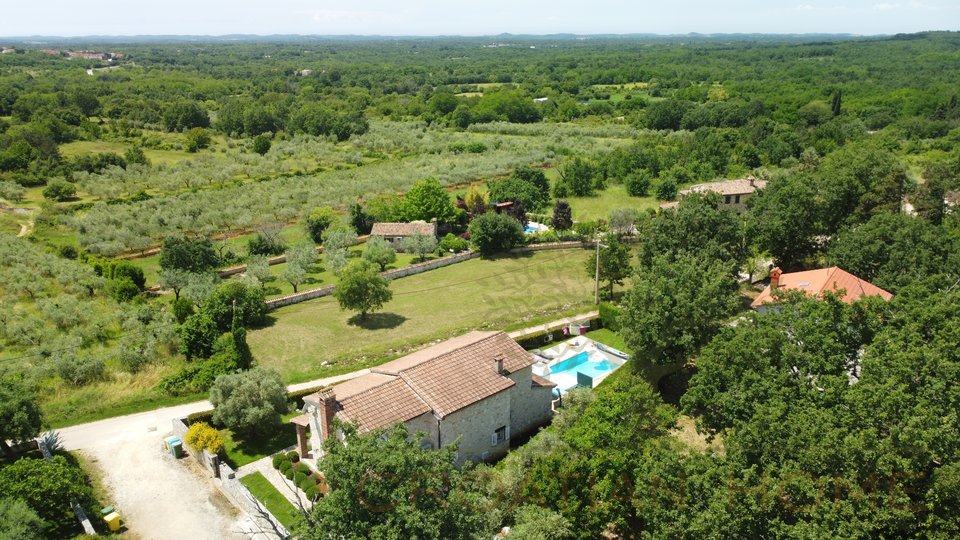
(305, 72)
(733, 193)
(478, 389)
(395, 233)
(7, 50)
(815, 283)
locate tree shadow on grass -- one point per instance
(378, 321)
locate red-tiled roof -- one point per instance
(443, 379)
(536, 380)
(816, 282)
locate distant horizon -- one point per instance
(436, 18)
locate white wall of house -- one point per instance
(477, 424)
(529, 406)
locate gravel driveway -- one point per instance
(163, 498)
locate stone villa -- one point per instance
(478, 388)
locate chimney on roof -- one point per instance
(328, 409)
(498, 363)
(753, 180)
(775, 277)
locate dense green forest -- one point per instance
(126, 183)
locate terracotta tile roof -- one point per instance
(404, 229)
(302, 420)
(740, 186)
(382, 405)
(536, 380)
(443, 379)
(816, 282)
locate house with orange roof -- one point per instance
(814, 283)
(477, 389)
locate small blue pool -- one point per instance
(529, 229)
(564, 373)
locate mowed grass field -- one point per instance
(474, 295)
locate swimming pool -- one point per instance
(564, 373)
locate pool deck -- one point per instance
(597, 363)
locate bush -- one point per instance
(289, 473)
(307, 483)
(666, 189)
(302, 468)
(299, 477)
(249, 402)
(203, 436)
(453, 243)
(182, 308)
(638, 183)
(312, 493)
(122, 289)
(293, 456)
(59, 190)
(586, 228)
(262, 244)
(285, 466)
(279, 459)
(610, 316)
(492, 233)
(81, 370)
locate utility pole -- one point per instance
(596, 277)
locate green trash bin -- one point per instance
(176, 448)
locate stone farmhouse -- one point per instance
(477, 389)
(733, 193)
(815, 283)
(395, 233)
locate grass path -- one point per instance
(477, 294)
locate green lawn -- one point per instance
(600, 205)
(276, 503)
(474, 295)
(321, 276)
(240, 451)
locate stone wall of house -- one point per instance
(529, 406)
(477, 423)
(427, 424)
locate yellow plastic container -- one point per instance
(113, 521)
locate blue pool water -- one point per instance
(529, 229)
(564, 373)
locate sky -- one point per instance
(483, 17)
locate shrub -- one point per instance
(123, 289)
(638, 183)
(289, 473)
(285, 466)
(610, 316)
(302, 468)
(453, 243)
(586, 228)
(307, 483)
(279, 459)
(492, 233)
(80, 370)
(666, 189)
(182, 308)
(312, 493)
(249, 402)
(203, 436)
(262, 244)
(59, 190)
(293, 456)
(298, 478)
